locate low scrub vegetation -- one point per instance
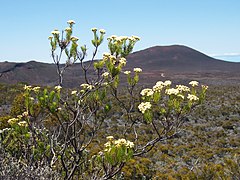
(105, 129)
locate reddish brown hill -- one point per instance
(176, 62)
(178, 58)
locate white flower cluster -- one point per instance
(137, 70)
(36, 89)
(167, 83)
(183, 88)
(127, 72)
(192, 97)
(147, 92)
(144, 106)
(74, 38)
(13, 121)
(122, 61)
(55, 32)
(5, 129)
(74, 92)
(193, 83)
(105, 74)
(158, 86)
(71, 22)
(94, 29)
(172, 91)
(18, 120)
(23, 124)
(118, 143)
(102, 31)
(68, 29)
(204, 87)
(87, 86)
(123, 38)
(106, 55)
(27, 87)
(58, 88)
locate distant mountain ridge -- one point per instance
(172, 62)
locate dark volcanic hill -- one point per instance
(160, 62)
(178, 58)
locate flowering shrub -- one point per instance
(117, 151)
(76, 117)
(168, 101)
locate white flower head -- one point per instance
(68, 29)
(74, 92)
(94, 29)
(137, 70)
(167, 83)
(87, 86)
(123, 38)
(183, 88)
(144, 106)
(205, 87)
(113, 36)
(23, 124)
(55, 32)
(110, 138)
(192, 97)
(105, 74)
(58, 88)
(123, 61)
(193, 83)
(102, 31)
(108, 144)
(27, 87)
(36, 89)
(147, 92)
(105, 84)
(131, 39)
(172, 91)
(127, 72)
(120, 142)
(12, 121)
(74, 38)
(25, 114)
(136, 38)
(130, 144)
(84, 85)
(158, 86)
(71, 22)
(106, 54)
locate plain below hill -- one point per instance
(175, 62)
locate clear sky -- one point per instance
(210, 26)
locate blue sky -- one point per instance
(210, 26)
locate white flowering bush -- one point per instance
(117, 151)
(170, 102)
(62, 128)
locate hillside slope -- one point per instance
(159, 62)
